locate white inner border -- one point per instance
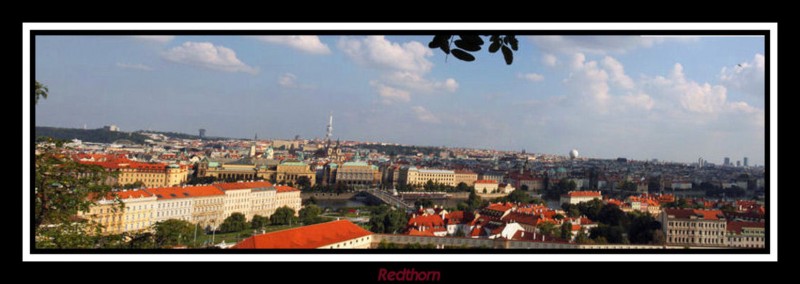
(773, 155)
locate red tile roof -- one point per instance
(184, 192)
(584, 193)
(306, 237)
(283, 188)
(415, 232)
(517, 217)
(687, 213)
(426, 220)
(736, 226)
(489, 181)
(133, 194)
(502, 207)
(242, 185)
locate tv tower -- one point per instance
(329, 132)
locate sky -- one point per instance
(666, 98)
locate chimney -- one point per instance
(523, 234)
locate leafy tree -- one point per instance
(547, 228)
(611, 215)
(41, 91)
(462, 187)
(64, 187)
(425, 203)
(310, 201)
(173, 232)
(234, 223)
(643, 229)
(462, 206)
(304, 182)
(519, 196)
(558, 216)
(310, 215)
(473, 201)
(283, 216)
(582, 238)
(524, 187)
(566, 231)
(136, 184)
(259, 222)
(613, 235)
(387, 221)
(387, 245)
(472, 43)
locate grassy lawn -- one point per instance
(235, 237)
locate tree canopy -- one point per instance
(234, 223)
(173, 232)
(283, 216)
(467, 43)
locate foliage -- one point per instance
(304, 182)
(643, 229)
(419, 246)
(310, 201)
(201, 180)
(554, 191)
(424, 203)
(473, 201)
(63, 187)
(401, 150)
(173, 232)
(387, 245)
(136, 184)
(259, 222)
(524, 187)
(99, 135)
(583, 238)
(612, 235)
(310, 215)
(472, 43)
(547, 228)
(234, 223)
(629, 186)
(566, 231)
(283, 216)
(387, 220)
(40, 91)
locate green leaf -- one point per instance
(463, 55)
(494, 46)
(445, 48)
(472, 39)
(467, 45)
(508, 55)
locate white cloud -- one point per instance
(640, 100)
(425, 115)
(533, 77)
(588, 81)
(745, 77)
(378, 52)
(617, 73)
(549, 59)
(404, 65)
(417, 82)
(391, 95)
(208, 55)
(157, 39)
(599, 44)
(137, 66)
(309, 44)
(289, 80)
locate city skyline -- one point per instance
(672, 99)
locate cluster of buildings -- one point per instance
(745, 227)
(205, 205)
(498, 220)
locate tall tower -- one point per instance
(329, 129)
(253, 146)
(746, 162)
(202, 132)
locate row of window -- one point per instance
(697, 224)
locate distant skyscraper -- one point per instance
(329, 130)
(738, 164)
(745, 162)
(700, 162)
(727, 161)
(202, 132)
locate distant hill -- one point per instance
(99, 135)
(182, 135)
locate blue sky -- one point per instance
(669, 98)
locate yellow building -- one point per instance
(415, 176)
(209, 206)
(357, 174)
(291, 171)
(151, 174)
(108, 214)
(288, 196)
(466, 176)
(262, 201)
(138, 212)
